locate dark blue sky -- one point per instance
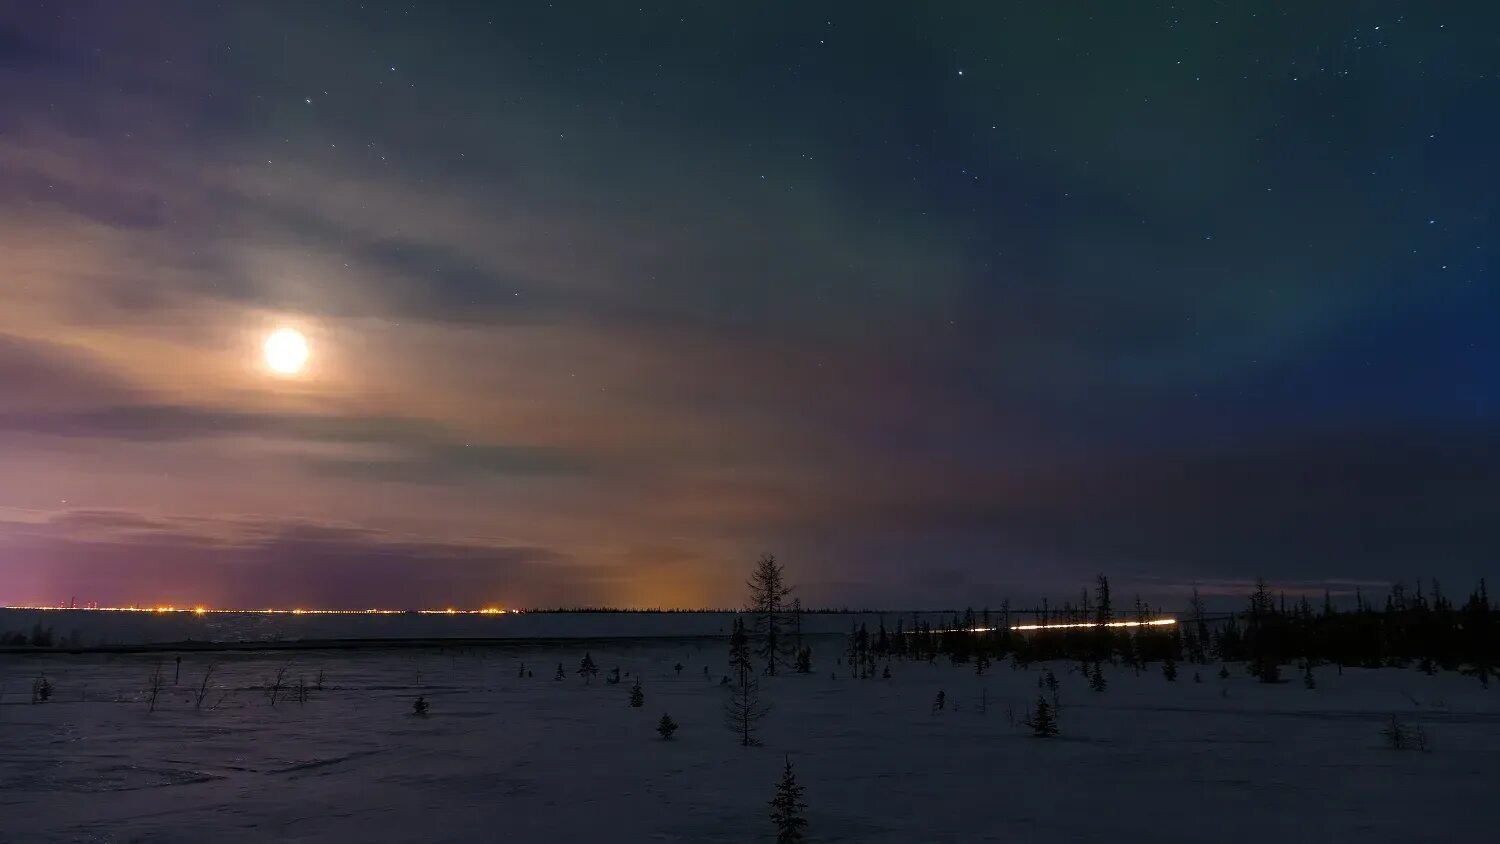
(941, 302)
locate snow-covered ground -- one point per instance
(532, 759)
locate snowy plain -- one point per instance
(529, 759)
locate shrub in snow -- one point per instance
(804, 661)
(1043, 721)
(666, 726)
(41, 690)
(1396, 735)
(787, 807)
(1399, 736)
(587, 669)
(419, 706)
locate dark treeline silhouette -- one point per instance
(727, 610)
(1411, 627)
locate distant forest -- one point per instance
(1410, 628)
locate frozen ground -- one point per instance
(507, 758)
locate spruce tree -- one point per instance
(1096, 680)
(586, 668)
(521, 672)
(1043, 722)
(637, 697)
(804, 660)
(939, 702)
(739, 653)
(787, 807)
(420, 706)
(666, 726)
(1169, 669)
(1307, 676)
(559, 674)
(1223, 672)
(886, 674)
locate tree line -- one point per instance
(1416, 627)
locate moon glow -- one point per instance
(286, 351)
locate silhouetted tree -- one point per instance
(1096, 679)
(787, 808)
(767, 606)
(739, 653)
(419, 706)
(1043, 722)
(744, 711)
(666, 726)
(586, 668)
(804, 660)
(1169, 669)
(1397, 737)
(559, 674)
(637, 697)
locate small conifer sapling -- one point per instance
(666, 727)
(1043, 720)
(787, 808)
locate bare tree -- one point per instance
(201, 693)
(274, 690)
(743, 711)
(154, 686)
(768, 608)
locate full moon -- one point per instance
(286, 351)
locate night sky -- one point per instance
(940, 302)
